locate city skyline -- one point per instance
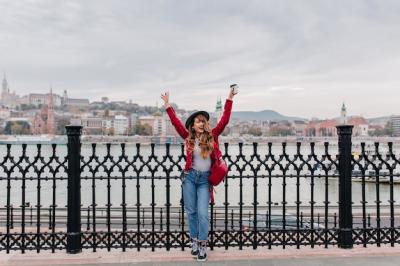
(218, 101)
(19, 99)
(299, 60)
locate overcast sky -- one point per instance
(300, 58)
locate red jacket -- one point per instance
(183, 132)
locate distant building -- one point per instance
(395, 122)
(118, 124)
(4, 113)
(132, 120)
(327, 128)
(343, 115)
(360, 124)
(72, 104)
(107, 125)
(78, 102)
(160, 125)
(39, 99)
(299, 126)
(218, 110)
(147, 119)
(121, 125)
(236, 131)
(323, 128)
(240, 127)
(8, 99)
(96, 105)
(44, 120)
(169, 129)
(90, 124)
(64, 97)
(22, 100)
(119, 103)
(104, 99)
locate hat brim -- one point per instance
(190, 119)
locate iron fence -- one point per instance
(120, 196)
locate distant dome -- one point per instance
(157, 113)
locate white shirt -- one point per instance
(199, 163)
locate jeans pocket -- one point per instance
(183, 175)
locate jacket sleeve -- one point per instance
(224, 119)
(180, 128)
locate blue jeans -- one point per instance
(196, 197)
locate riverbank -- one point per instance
(62, 139)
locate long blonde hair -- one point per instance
(206, 140)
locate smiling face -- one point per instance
(198, 124)
(200, 130)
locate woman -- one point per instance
(201, 151)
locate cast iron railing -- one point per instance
(122, 196)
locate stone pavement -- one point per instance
(372, 255)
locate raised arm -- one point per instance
(226, 114)
(176, 122)
(217, 130)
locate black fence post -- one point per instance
(345, 209)
(74, 190)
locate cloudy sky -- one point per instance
(301, 58)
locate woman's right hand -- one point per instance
(165, 97)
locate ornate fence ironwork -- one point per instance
(120, 196)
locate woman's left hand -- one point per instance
(231, 94)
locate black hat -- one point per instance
(190, 119)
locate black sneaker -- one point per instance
(195, 248)
(202, 256)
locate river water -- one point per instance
(159, 193)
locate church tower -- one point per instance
(51, 125)
(343, 114)
(65, 98)
(5, 90)
(218, 109)
(5, 84)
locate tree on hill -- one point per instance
(61, 123)
(142, 129)
(255, 131)
(17, 128)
